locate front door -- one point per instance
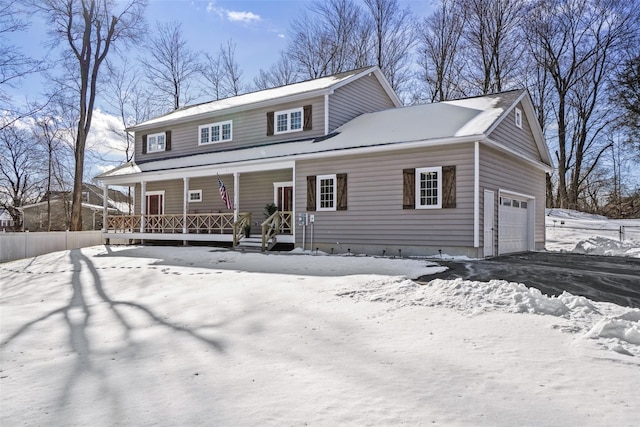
(155, 204)
(489, 216)
(285, 198)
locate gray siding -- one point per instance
(520, 140)
(375, 216)
(249, 128)
(364, 95)
(499, 171)
(256, 190)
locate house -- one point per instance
(348, 167)
(6, 221)
(36, 216)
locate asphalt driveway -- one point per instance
(599, 278)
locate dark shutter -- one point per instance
(311, 193)
(144, 144)
(270, 123)
(307, 117)
(342, 191)
(409, 189)
(167, 141)
(448, 186)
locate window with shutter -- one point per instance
(429, 188)
(157, 142)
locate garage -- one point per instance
(513, 224)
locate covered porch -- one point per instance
(190, 205)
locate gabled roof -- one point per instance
(291, 92)
(464, 120)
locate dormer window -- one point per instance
(288, 121)
(215, 132)
(518, 113)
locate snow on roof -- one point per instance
(252, 98)
(429, 122)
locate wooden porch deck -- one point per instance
(212, 227)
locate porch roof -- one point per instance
(445, 122)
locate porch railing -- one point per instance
(213, 223)
(278, 223)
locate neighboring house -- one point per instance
(6, 221)
(462, 177)
(36, 215)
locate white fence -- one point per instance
(25, 245)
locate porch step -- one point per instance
(250, 244)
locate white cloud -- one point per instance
(281, 35)
(233, 15)
(246, 17)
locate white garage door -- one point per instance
(513, 229)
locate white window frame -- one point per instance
(319, 179)
(194, 192)
(419, 172)
(518, 114)
(211, 128)
(288, 113)
(154, 137)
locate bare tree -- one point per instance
(626, 95)
(14, 64)
(171, 67)
(493, 42)
(90, 28)
(19, 181)
(440, 60)
(281, 73)
(327, 38)
(579, 46)
(393, 39)
(232, 72)
(213, 73)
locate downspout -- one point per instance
(476, 194)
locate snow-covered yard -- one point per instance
(198, 336)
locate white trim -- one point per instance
(190, 192)
(531, 216)
(540, 165)
(276, 186)
(319, 178)
(489, 209)
(420, 171)
(156, 135)
(518, 117)
(326, 114)
(476, 194)
(210, 127)
(279, 100)
(288, 113)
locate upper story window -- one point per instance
(215, 132)
(518, 113)
(156, 142)
(288, 121)
(429, 188)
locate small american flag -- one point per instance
(223, 194)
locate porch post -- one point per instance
(143, 203)
(185, 204)
(105, 196)
(236, 195)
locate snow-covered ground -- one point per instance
(197, 336)
(579, 232)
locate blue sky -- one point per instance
(260, 29)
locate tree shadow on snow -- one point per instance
(77, 316)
